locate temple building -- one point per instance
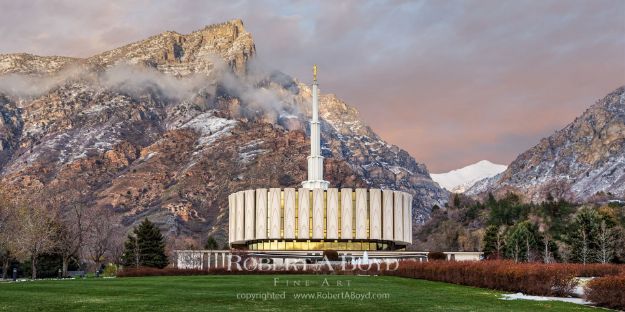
(296, 225)
(317, 217)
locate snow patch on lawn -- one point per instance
(521, 296)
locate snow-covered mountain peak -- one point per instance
(459, 180)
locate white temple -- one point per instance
(316, 216)
(300, 223)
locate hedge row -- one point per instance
(529, 278)
(310, 269)
(607, 291)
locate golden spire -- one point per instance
(315, 73)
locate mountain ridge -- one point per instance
(169, 136)
(584, 161)
(228, 41)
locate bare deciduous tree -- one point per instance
(585, 248)
(516, 251)
(117, 246)
(101, 237)
(73, 226)
(606, 241)
(35, 232)
(7, 233)
(547, 256)
(68, 200)
(500, 240)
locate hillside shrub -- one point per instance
(607, 291)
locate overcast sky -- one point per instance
(452, 82)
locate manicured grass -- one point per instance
(219, 293)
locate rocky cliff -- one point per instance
(585, 161)
(167, 127)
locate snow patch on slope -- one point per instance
(460, 180)
(210, 127)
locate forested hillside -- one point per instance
(554, 230)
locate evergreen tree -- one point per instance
(508, 210)
(130, 258)
(211, 243)
(493, 242)
(456, 200)
(522, 242)
(146, 247)
(151, 245)
(583, 238)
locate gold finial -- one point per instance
(315, 72)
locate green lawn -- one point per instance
(219, 293)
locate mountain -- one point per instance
(460, 180)
(167, 127)
(585, 161)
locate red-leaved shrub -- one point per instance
(607, 291)
(530, 278)
(598, 269)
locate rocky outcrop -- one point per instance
(582, 162)
(170, 52)
(23, 63)
(198, 52)
(187, 125)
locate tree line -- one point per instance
(509, 228)
(45, 225)
(553, 231)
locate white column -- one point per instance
(397, 212)
(407, 221)
(375, 206)
(261, 213)
(318, 211)
(361, 213)
(346, 213)
(249, 215)
(231, 216)
(332, 214)
(387, 214)
(274, 213)
(303, 213)
(240, 217)
(289, 213)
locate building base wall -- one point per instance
(207, 259)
